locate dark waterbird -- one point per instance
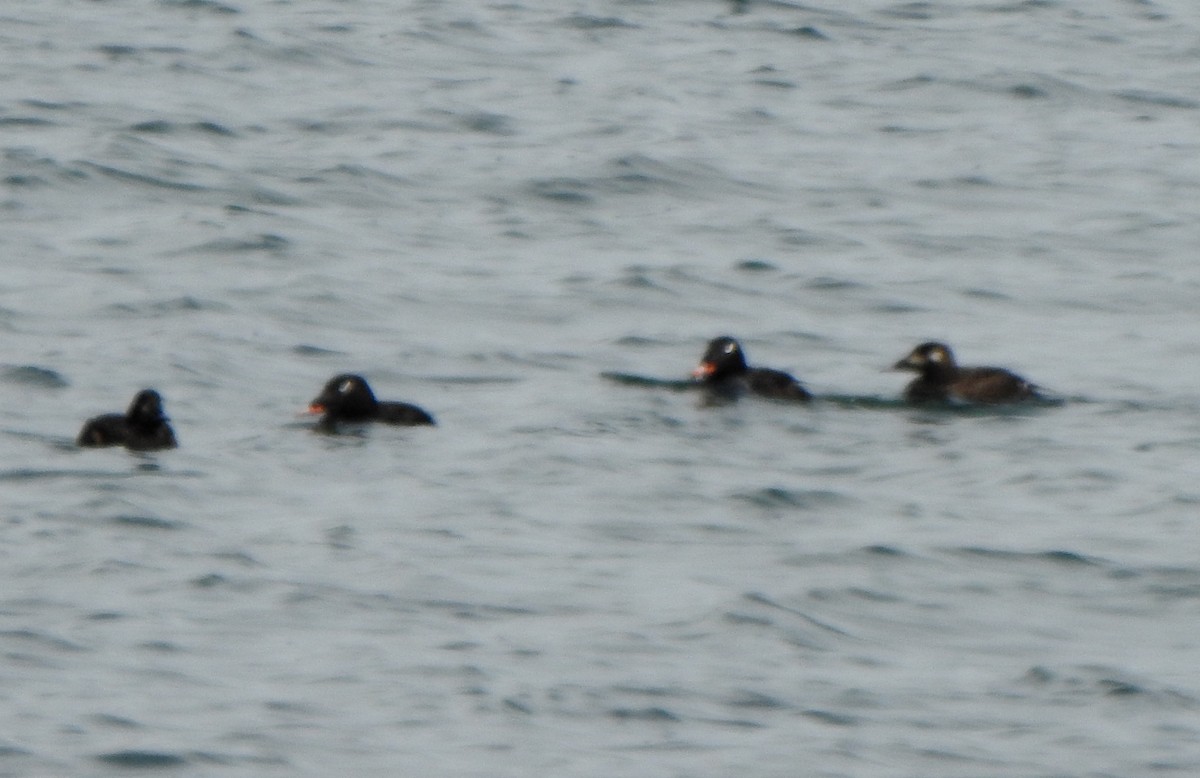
(144, 427)
(348, 398)
(941, 379)
(723, 372)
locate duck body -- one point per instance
(723, 372)
(144, 427)
(348, 398)
(941, 380)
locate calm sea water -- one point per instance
(485, 209)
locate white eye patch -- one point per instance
(937, 355)
(346, 386)
(730, 348)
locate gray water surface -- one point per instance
(487, 209)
